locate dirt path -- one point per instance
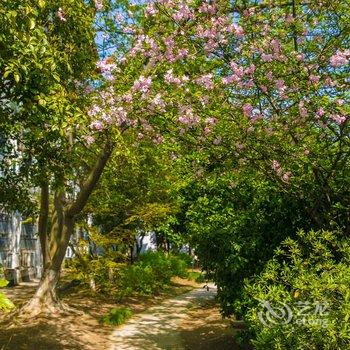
(177, 320)
(177, 324)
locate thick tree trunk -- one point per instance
(42, 226)
(45, 299)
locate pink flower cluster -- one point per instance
(207, 8)
(275, 52)
(170, 54)
(206, 81)
(247, 109)
(187, 116)
(183, 13)
(340, 58)
(146, 46)
(339, 119)
(98, 4)
(142, 84)
(150, 10)
(276, 167)
(171, 79)
(216, 31)
(97, 125)
(106, 65)
(238, 74)
(60, 15)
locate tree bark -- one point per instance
(42, 225)
(45, 299)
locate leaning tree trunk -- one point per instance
(45, 299)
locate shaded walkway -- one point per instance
(160, 326)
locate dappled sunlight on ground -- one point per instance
(177, 319)
(169, 326)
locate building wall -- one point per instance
(20, 254)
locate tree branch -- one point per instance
(88, 186)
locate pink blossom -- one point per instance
(150, 10)
(207, 130)
(263, 88)
(211, 45)
(276, 167)
(206, 81)
(300, 57)
(96, 125)
(183, 13)
(173, 156)
(267, 57)
(106, 65)
(286, 176)
(250, 70)
(158, 101)
(339, 119)
(171, 79)
(302, 110)
(314, 79)
(249, 83)
(127, 98)
(60, 15)
(339, 102)
(321, 112)
(98, 4)
(289, 19)
(231, 79)
(187, 116)
(158, 139)
(328, 81)
(120, 115)
(142, 84)
(236, 29)
(207, 8)
(247, 109)
(211, 121)
(217, 140)
(340, 58)
(95, 109)
(276, 46)
(89, 139)
(280, 85)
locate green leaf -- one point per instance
(31, 24)
(17, 77)
(3, 283)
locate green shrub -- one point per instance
(116, 316)
(5, 303)
(150, 274)
(311, 276)
(178, 266)
(188, 259)
(196, 276)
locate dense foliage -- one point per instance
(5, 303)
(151, 273)
(229, 123)
(311, 275)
